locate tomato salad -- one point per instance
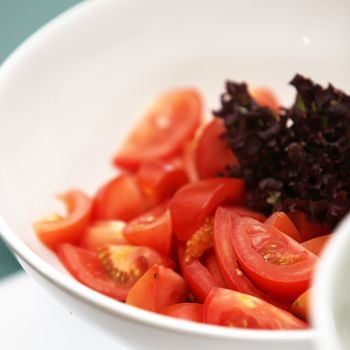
(171, 234)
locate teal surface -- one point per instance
(19, 19)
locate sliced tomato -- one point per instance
(158, 288)
(189, 162)
(86, 267)
(159, 180)
(185, 311)
(245, 212)
(101, 233)
(119, 199)
(276, 263)
(152, 229)
(265, 97)
(56, 229)
(211, 264)
(199, 279)
(227, 259)
(306, 228)
(316, 245)
(167, 126)
(230, 308)
(212, 154)
(282, 221)
(301, 306)
(191, 205)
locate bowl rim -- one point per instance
(322, 293)
(67, 283)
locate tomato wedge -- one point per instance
(281, 221)
(195, 201)
(276, 263)
(211, 264)
(167, 126)
(56, 229)
(199, 279)
(301, 306)
(316, 245)
(306, 228)
(159, 180)
(152, 229)
(119, 199)
(158, 288)
(101, 233)
(212, 154)
(265, 97)
(245, 212)
(185, 311)
(86, 267)
(230, 308)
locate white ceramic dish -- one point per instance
(70, 93)
(331, 297)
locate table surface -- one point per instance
(19, 19)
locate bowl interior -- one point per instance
(70, 93)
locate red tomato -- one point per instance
(167, 126)
(159, 180)
(265, 97)
(306, 228)
(301, 306)
(212, 154)
(316, 245)
(119, 199)
(158, 288)
(281, 221)
(211, 264)
(56, 229)
(230, 308)
(195, 201)
(152, 229)
(276, 263)
(185, 311)
(199, 279)
(86, 267)
(188, 161)
(103, 232)
(245, 212)
(227, 259)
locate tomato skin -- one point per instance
(282, 268)
(301, 306)
(245, 212)
(199, 279)
(230, 308)
(265, 97)
(103, 232)
(306, 228)
(119, 199)
(158, 288)
(159, 180)
(316, 245)
(68, 229)
(281, 221)
(86, 267)
(195, 201)
(211, 153)
(211, 264)
(166, 127)
(185, 311)
(152, 229)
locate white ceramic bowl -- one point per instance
(71, 92)
(331, 295)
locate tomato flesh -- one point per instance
(230, 308)
(212, 154)
(281, 221)
(55, 229)
(158, 288)
(316, 245)
(192, 204)
(276, 263)
(167, 126)
(185, 311)
(152, 229)
(301, 306)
